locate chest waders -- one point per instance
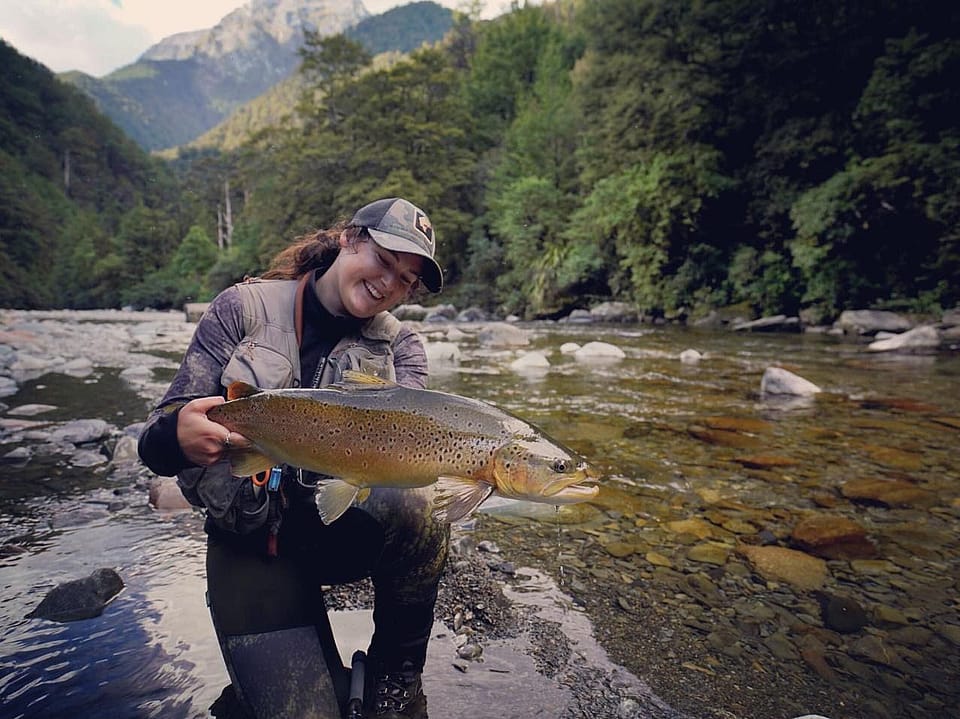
(267, 606)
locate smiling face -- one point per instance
(366, 279)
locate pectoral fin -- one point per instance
(455, 497)
(239, 389)
(333, 498)
(248, 462)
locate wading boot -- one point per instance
(396, 694)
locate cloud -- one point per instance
(71, 35)
(99, 36)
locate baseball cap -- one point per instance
(398, 225)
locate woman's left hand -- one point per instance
(202, 440)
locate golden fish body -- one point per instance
(367, 432)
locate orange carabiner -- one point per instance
(260, 478)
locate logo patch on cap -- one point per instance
(422, 223)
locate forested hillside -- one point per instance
(673, 154)
(83, 211)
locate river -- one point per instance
(699, 468)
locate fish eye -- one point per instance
(560, 466)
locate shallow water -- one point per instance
(647, 421)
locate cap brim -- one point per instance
(432, 275)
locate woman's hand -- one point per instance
(203, 441)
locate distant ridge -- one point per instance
(189, 82)
(387, 36)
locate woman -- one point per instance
(320, 309)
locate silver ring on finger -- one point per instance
(226, 441)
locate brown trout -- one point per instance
(367, 432)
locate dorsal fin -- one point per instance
(239, 389)
(352, 379)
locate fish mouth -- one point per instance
(573, 490)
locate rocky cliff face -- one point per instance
(258, 23)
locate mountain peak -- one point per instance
(283, 21)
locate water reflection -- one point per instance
(141, 658)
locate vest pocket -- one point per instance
(231, 502)
(258, 365)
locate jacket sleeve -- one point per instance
(410, 359)
(217, 335)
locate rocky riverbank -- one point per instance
(755, 581)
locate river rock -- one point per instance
(777, 380)
(30, 410)
(709, 553)
(77, 367)
(924, 337)
(599, 350)
(501, 334)
(775, 323)
(472, 314)
(80, 431)
(79, 598)
(446, 353)
(690, 356)
(786, 565)
(841, 614)
(723, 438)
(8, 387)
(765, 461)
(17, 456)
(833, 537)
(888, 492)
(165, 495)
(614, 312)
(869, 322)
(568, 348)
(409, 313)
(738, 424)
(87, 458)
(441, 313)
(530, 361)
(951, 318)
(193, 311)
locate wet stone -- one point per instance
(888, 492)
(620, 549)
(738, 424)
(874, 567)
(781, 647)
(658, 560)
(833, 537)
(878, 652)
(723, 438)
(765, 461)
(781, 564)
(883, 614)
(710, 553)
(694, 526)
(842, 614)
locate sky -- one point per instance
(98, 36)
